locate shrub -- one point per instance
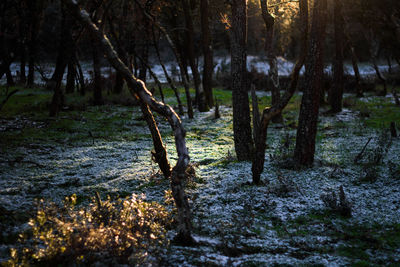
(125, 231)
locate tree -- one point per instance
(65, 52)
(207, 52)
(273, 76)
(240, 100)
(138, 90)
(200, 97)
(336, 92)
(307, 128)
(260, 129)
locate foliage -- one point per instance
(128, 230)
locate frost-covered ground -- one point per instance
(284, 221)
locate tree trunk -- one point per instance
(63, 56)
(97, 79)
(70, 86)
(34, 18)
(273, 75)
(169, 80)
(336, 93)
(10, 79)
(268, 113)
(207, 51)
(177, 56)
(308, 118)
(240, 101)
(81, 78)
(138, 88)
(200, 97)
(160, 153)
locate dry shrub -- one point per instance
(123, 231)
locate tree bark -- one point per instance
(160, 153)
(269, 47)
(139, 89)
(200, 97)
(240, 100)
(63, 56)
(268, 113)
(97, 79)
(336, 92)
(207, 52)
(34, 21)
(70, 86)
(308, 118)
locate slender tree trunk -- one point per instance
(200, 97)
(207, 51)
(10, 79)
(336, 93)
(160, 153)
(169, 80)
(308, 118)
(261, 135)
(22, 77)
(240, 101)
(177, 56)
(32, 44)
(70, 86)
(63, 56)
(138, 88)
(97, 79)
(273, 76)
(380, 76)
(81, 77)
(354, 62)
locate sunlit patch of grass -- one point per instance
(126, 230)
(381, 112)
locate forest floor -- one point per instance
(284, 221)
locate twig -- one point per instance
(359, 156)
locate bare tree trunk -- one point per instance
(10, 79)
(207, 51)
(241, 112)
(177, 56)
(70, 86)
(268, 113)
(336, 93)
(200, 97)
(138, 88)
(160, 153)
(63, 56)
(169, 80)
(273, 76)
(81, 77)
(34, 21)
(97, 79)
(308, 118)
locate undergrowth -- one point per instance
(128, 230)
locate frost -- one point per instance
(234, 222)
